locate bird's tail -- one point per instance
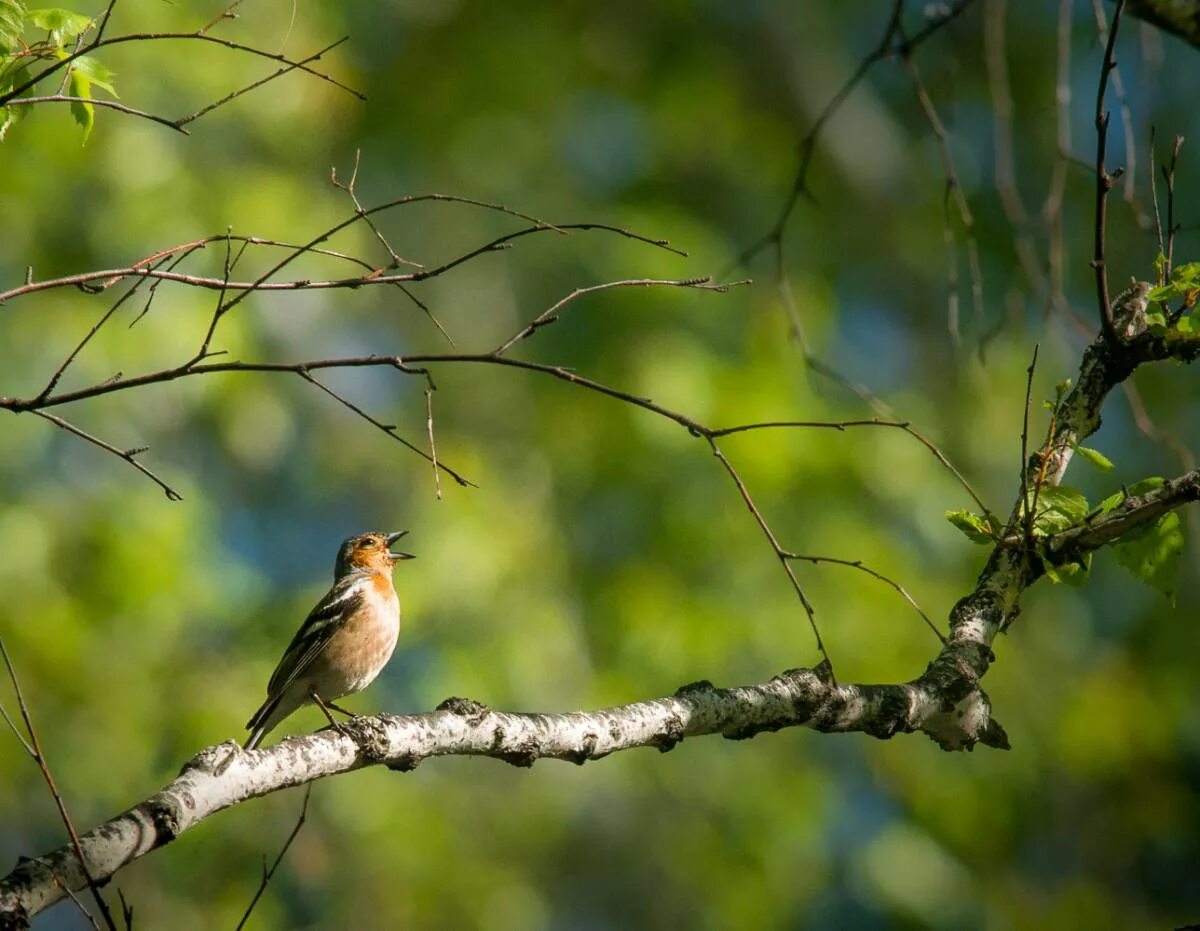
(264, 721)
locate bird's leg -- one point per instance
(324, 706)
(350, 714)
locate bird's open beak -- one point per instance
(391, 539)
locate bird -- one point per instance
(345, 641)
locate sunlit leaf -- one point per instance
(63, 25)
(12, 14)
(99, 75)
(1058, 507)
(975, 526)
(84, 112)
(1152, 553)
(1074, 574)
(1095, 457)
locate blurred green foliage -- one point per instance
(604, 557)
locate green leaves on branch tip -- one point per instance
(1151, 553)
(63, 25)
(1059, 507)
(1184, 284)
(977, 528)
(12, 17)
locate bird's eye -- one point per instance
(365, 544)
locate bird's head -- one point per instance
(370, 552)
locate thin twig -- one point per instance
(954, 192)
(859, 565)
(780, 553)
(129, 455)
(291, 66)
(550, 315)
(841, 425)
(1025, 466)
(39, 757)
(1172, 226)
(437, 479)
(389, 429)
(268, 873)
(350, 188)
(1104, 183)
(14, 93)
(70, 894)
(99, 102)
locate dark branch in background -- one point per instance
(1180, 17)
(894, 42)
(1130, 166)
(1104, 181)
(953, 194)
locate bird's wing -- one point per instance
(322, 623)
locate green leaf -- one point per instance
(1160, 268)
(8, 116)
(63, 25)
(1058, 507)
(1152, 553)
(1156, 323)
(1095, 457)
(975, 526)
(1115, 500)
(1163, 293)
(12, 16)
(1187, 275)
(1186, 325)
(1074, 574)
(100, 75)
(84, 113)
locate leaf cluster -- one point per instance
(61, 34)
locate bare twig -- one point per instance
(39, 757)
(954, 192)
(861, 567)
(1172, 227)
(550, 315)
(253, 85)
(437, 479)
(1104, 182)
(1025, 464)
(129, 455)
(350, 189)
(1130, 167)
(780, 553)
(842, 425)
(389, 429)
(98, 102)
(268, 873)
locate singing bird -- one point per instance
(346, 640)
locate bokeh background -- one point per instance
(604, 557)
